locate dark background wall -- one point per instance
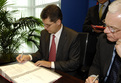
(74, 12)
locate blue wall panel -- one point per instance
(75, 11)
(92, 3)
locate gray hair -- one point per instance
(115, 6)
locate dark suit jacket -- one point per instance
(102, 58)
(92, 18)
(68, 51)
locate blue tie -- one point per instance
(114, 70)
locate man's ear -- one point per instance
(58, 22)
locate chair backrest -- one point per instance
(86, 54)
(83, 46)
(83, 38)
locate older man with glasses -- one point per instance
(94, 26)
(107, 61)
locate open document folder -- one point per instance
(28, 73)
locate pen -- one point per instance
(95, 78)
(22, 54)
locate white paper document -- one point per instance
(28, 73)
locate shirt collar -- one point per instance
(57, 34)
(105, 4)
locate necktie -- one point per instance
(52, 54)
(100, 12)
(114, 70)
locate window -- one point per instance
(28, 8)
(40, 4)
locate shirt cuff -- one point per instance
(92, 75)
(30, 57)
(52, 65)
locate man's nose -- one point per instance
(106, 30)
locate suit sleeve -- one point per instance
(95, 67)
(38, 55)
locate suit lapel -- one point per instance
(47, 40)
(108, 58)
(105, 12)
(61, 43)
(97, 13)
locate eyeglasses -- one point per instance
(48, 25)
(111, 28)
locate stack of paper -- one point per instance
(28, 73)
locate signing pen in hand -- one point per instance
(95, 78)
(22, 54)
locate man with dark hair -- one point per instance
(53, 16)
(59, 45)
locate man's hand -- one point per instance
(90, 80)
(43, 63)
(97, 30)
(118, 47)
(23, 58)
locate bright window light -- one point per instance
(28, 8)
(39, 2)
(18, 2)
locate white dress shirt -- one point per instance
(57, 37)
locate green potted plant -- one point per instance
(14, 32)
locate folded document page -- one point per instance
(28, 73)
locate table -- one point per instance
(66, 78)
